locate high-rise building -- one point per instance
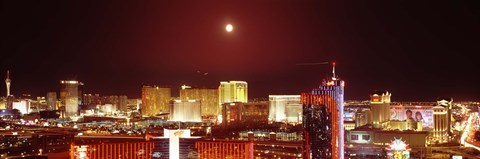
(51, 100)
(207, 96)
(89, 99)
(285, 108)
(114, 101)
(442, 120)
(233, 91)
(185, 110)
(123, 103)
(8, 82)
(155, 100)
(380, 107)
(440, 127)
(448, 104)
(81, 88)
(245, 113)
(324, 104)
(69, 97)
(317, 125)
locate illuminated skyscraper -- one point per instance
(440, 127)
(285, 108)
(442, 120)
(8, 82)
(324, 105)
(380, 108)
(207, 96)
(69, 97)
(155, 100)
(233, 91)
(51, 100)
(448, 104)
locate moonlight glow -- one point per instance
(229, 27)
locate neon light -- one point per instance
(398, 145)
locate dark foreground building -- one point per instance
(317, 124)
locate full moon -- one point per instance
(229, 27)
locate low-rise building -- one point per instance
(380, 137)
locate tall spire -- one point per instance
(8, 82)
(333, 71)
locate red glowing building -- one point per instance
(323, 119)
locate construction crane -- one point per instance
(320, 63)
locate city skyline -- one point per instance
(239, 79)
(419, 52)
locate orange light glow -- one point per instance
(330, 83)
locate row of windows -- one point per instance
(364, 137)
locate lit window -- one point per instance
(366, 137)
(354, 137)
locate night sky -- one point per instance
(417, 50)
